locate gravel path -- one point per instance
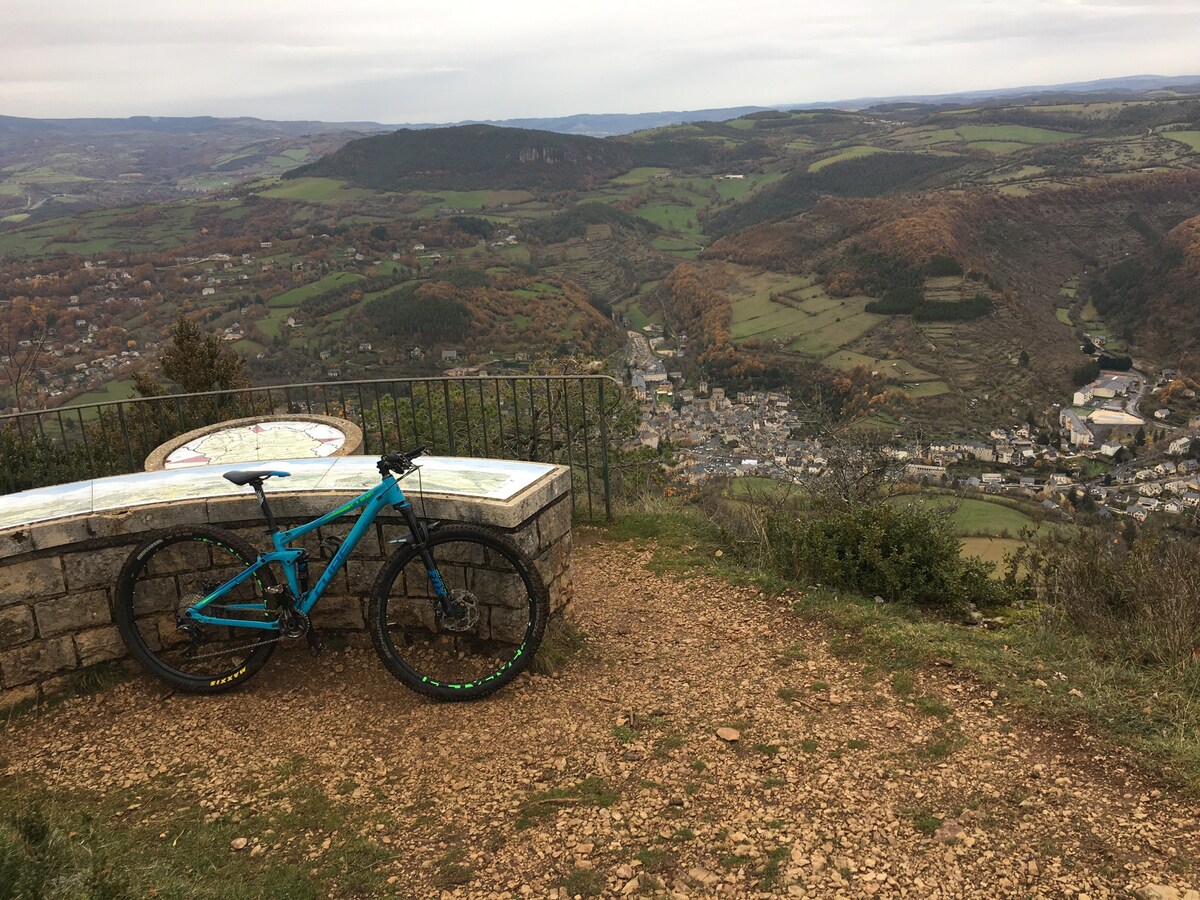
(612, 778)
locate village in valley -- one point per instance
(1106, 457)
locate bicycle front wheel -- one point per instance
(498, 615)
(174, 570)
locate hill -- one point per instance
(471, 157)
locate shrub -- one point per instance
(901, 552)
(1142, 600)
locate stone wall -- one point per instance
(57, 578)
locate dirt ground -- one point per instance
(707, 743)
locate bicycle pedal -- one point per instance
(315, 644)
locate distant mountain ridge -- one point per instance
(592, 124)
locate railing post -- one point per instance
(604, 455)
(124, 434)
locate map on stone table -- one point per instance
(490, 479)
(261, 441)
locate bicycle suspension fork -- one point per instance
(419, 532)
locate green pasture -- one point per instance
(855, 152)
(296, 296)
(996, 139)
(317, 190)
(927, 389)
(679, 219)
(739, 188)
(755, 314)
(975, 518)
(101, 231)
(1063, 315)
(1191, 138)
(120, 389)
(832, 332)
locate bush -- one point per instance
(901, 552)
(1142, 600)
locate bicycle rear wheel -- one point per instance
(169, 573)
(501, 607)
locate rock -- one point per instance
(1037, 682)
(630, 886)
(1156, 892)
(729, 735)
(238, 843)
(624, 872)
(948, 832)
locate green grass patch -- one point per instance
(296, 296)
(1063, 314)
(317, 190)
(856, 152)
(1191, 138)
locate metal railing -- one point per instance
(564, 419)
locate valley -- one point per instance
(944, 258)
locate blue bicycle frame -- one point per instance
(388, 493)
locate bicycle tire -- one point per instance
(474, 563)
(165, 572)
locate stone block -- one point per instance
(37, 661)
(93, 568)
(222, 510)
(554, 522)
(356, 577)
(526, 537)
(98, 645)
(30, 579)
(62, 533)
(509, 625)
(72, 612)
(15, 541)
(497, 588)
(16, 625)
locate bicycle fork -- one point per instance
(418, 536)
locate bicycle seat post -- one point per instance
(266, 508)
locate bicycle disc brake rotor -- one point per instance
(466, 607)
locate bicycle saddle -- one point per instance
(249, 476)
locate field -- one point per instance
(849, 153)
(296, 296)
(1063, 314)
(102, 231)
(1191, 138)
(317, 190)
(120, 389)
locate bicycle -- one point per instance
(455, 613)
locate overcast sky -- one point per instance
(399, 61)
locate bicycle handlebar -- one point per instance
(400, 463)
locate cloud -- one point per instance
(408, 61)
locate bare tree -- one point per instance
(24, 333)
